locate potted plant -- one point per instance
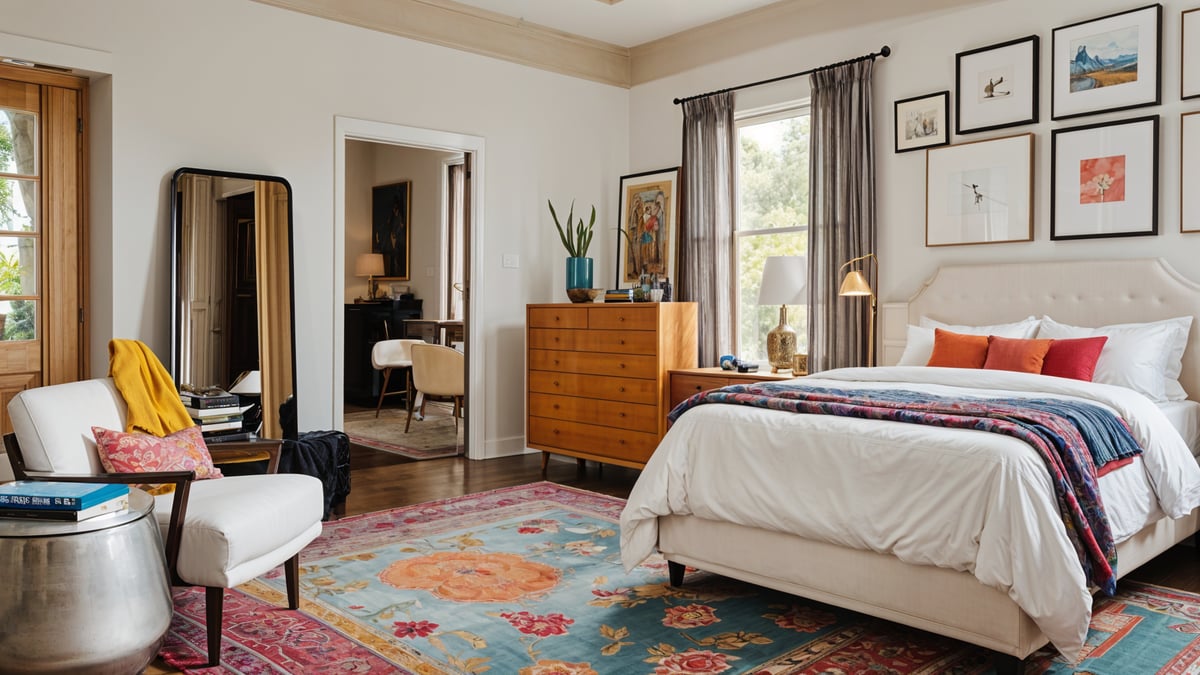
(576, 238)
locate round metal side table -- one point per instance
(87, 597)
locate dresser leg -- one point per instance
(545, 461)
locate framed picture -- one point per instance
(980, 192)
(1106, 64)
(391, 208)
(1104, 180)
(996, 86)
(1189, 54)
(921, 121)
(1189, 172)
(649, 225)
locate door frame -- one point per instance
(354, 129)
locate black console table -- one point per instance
(366, 324)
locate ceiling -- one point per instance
(626, 23)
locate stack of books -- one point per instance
(215, 411)
(618, 295)
(56, 500)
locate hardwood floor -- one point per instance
(382, 480)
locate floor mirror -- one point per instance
(232, 310)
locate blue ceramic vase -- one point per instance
(579, 273)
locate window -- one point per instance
(19, 178)
(772, 219)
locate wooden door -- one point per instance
(42, 230)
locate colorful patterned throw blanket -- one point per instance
(1072, 437)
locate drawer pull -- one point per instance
(555, 406)
(622, 365)
(556, 383)
(620, 414)
(556, 432)
(697, 388)
(621, 389)
(620, 342)
(556, 362)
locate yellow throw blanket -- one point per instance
(149, 391)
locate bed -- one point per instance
(922, 594)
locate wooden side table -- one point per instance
(686, 382)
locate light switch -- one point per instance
(510, 260)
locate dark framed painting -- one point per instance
(1189, 53)
(649, 225)
(391, 209)
(922, 121)
(980, 192)
(1106, 64)
(1104, 180)
(996, 86)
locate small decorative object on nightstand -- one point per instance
(800, 364)
(783, 281)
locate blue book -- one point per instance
(57, 495)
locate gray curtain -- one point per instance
(705, 268)
(841, 213)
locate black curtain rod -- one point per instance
(884, 51)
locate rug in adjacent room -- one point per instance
(527, 581)
(429, 438)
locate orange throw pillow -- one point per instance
(1023, 356)
(958, 350)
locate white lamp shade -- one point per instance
(783, 280)
(368, 265)
(249, 385)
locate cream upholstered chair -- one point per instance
(388, 355)
(218, 533)
(438, 373)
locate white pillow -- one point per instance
(1145, 357)
(1023, 329)
(918, 347)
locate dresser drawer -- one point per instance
(618, 389)
(638, 417)
(613, 341)
(558, 317)
(630, 446)
(594, 363)
(624, 317)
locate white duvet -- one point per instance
(964, 499)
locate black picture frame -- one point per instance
(1125, 154)
(391, 213)
(922, 122)
(1009, 97)
(1112, 78)
(1189, 54)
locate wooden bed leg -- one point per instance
(1007, 664)
(675, 570)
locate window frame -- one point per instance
(751, 117)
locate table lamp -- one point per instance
(369, 265)
(856, 284)
(783, 281)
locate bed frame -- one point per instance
(936, 599)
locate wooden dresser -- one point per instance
(597, 385)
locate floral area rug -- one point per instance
(430, 438)
(527, 581)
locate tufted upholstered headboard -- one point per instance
(1077, 292)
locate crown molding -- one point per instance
(458, 26)
(766, 26)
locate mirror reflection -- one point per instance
(232, 312)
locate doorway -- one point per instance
(421, 165)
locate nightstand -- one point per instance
(688, 381)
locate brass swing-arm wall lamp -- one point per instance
(856, 284)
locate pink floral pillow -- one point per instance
(137, 452)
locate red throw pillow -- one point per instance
(1074, 357)
(138, 452)
(958, 350)
(1023, 356)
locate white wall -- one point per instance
(922, 62)
(237, 85)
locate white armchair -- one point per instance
(218, 533)
(388, 355)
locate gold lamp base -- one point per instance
(781, 343)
